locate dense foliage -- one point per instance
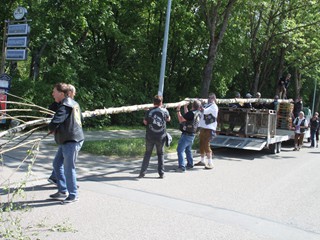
(111, 50)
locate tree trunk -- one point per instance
(257, 73)
(208, 69)
(35, 62)
(216, 20)
(297, 77)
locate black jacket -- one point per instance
(67, 122)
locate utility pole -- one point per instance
(314, 96)
(164, 50)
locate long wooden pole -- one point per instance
(128, 109)
(125, 109)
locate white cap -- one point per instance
(248, 95)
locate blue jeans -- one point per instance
(185, 145)
(53, 175)
(64, 165)
(150, 143)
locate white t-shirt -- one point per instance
(209, 109)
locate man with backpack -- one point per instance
(189, 122)
(155, 121)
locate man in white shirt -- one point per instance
(208, 125)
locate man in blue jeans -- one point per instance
(189, 122)
(66, 125)
(54, 107)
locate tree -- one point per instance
(111, 50)
(216, 15)
(275, 28)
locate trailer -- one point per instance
(253, 129)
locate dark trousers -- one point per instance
(282, 92)
(313, 137)
(150, 143)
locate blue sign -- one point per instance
(16, 54)
(5, 81)
(17, 42)
(18, 29)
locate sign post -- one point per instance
(17, 36)
(14, 48)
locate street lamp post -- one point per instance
(164, 50)
(314, 96)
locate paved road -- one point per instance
(247, 196)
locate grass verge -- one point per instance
(129, 147)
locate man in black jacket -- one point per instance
(66, 125)
(54, 107)
(155, 121)
(314, 126)
(189, 122)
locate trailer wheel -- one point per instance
(278, 147)
(273, 148)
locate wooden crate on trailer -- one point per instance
(284, 116)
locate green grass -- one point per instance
(117, 127)
(129, 147)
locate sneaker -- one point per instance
(52, 180)
(181, 170)
(201, 164)
(208, 166)
(189, 166)
(141, 175)
(161, 176)
(295, 149)
(70, 200)
(59, 195)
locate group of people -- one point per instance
(283, 84)
(201, 115)
(66, 125)
(300, 123)
(257, 104)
